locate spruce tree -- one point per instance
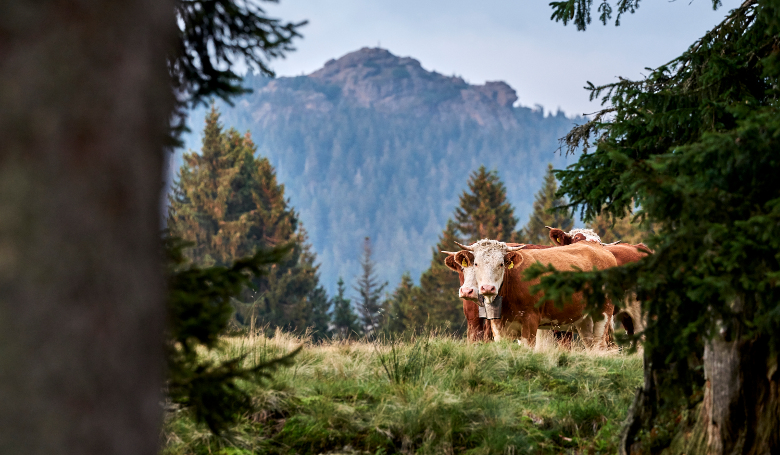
(484, 211)
(695, 145)
(543, 215)
(319, 320)
(369, 292)
(399, 307)
(228, 204)
(345, 321)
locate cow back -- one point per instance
(625, 253)
(516, 292)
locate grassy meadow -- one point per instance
(426, 394)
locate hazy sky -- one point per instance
(510, 40)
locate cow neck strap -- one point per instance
(482, 310)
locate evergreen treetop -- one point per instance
(228, 204)
(484, 211)
(369, 291)
(400, 308)
(226, 200)
(345, 321)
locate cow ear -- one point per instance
(557, 236)
(465, 258)
(513, 259)
(449, 261)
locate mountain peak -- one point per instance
(376, 55)
(377, 79)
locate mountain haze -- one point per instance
(374, 145)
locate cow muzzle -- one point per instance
(488, 289)
(468, 293)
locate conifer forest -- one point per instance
(201, 256)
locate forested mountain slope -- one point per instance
(374, 145)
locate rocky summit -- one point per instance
(374, 78)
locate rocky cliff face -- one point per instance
(376, 79)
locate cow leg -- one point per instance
(474, 325)
(593, 332)
(545, 340)
(585, 328)
(530, 326)
(496, 328)
(601, 331)
(488, 331)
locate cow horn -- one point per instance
(467, 248)
(613, 243)
(450, 252)
(515, 248)
(548, 227)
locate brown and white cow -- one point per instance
(630, 317)
(499, 271)
(478, 329)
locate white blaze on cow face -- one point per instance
(489, 267)
(469, 288)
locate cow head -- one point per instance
(463, 263)
(578, 235)
(559, 237)
(491, 260)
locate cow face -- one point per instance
(468, 290)
(463, 263)
(491, 261)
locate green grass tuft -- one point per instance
(427, 395)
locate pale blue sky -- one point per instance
(510, 40)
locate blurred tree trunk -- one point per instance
(740, 409)
(85, 102)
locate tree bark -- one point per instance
(739, 412)
(741, 408)
(85, 102)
